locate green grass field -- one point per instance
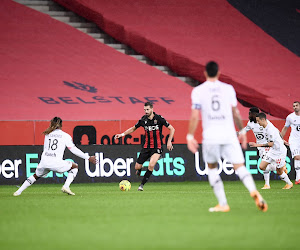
(164, 216)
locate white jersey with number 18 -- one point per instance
(215, 100)
(55, 144)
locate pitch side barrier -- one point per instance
(116, 162)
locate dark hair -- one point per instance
(212, 69)
(55, 123)
(254, 110)
(261, 116)
(296, 102)
(148, 104)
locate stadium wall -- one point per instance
(116, 162)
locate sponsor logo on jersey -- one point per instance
(220, 117)
(150, 128)
(259, 136)
(50, 154)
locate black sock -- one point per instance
(146, 176)
(138, 172)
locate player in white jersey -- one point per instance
(275, 158)
(218, 104)
(260, 135)
(293, 121)
(52, 157)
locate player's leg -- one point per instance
(72, 169)
(234, 154)
(145, 154)
(40, 171)
(283, 176)
(72, 173)
(153, 160)
(297, 168)
(138, 168)
(32, 179)
(266, 173)
(249, 183)
(295, 150)
(211, 155)
(217, 185)
(266, 167)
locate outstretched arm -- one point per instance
(79, 153)
(171, 135)
(127, 132)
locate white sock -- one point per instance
(246, 178)
(285, 178)
(71, 176)
(216, 183)
(26, 184)
(297, 169)
(267, 177)
(270, 167)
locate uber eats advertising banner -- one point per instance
(116, 162)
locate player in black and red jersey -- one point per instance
(152, 147)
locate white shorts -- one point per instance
(263, 151)
(59, 166)
(275, 159)
(232, 153)
(295, 148)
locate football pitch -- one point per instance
(164, 216)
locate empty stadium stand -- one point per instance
(53, 69)
(50, 68)
(184, 35)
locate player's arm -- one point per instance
(244, 130)
(239, 123)
(79, 153)
(283, 131)
(171, 135)
(192, 143)
(76, 151)
(127, 132)
(255, 145)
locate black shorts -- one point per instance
(146, 153)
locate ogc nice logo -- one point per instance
(81, 86)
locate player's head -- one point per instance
(253, 113)
(261, 119)
(55, 123)
(148, 108)
(211, 70)
(296, 106)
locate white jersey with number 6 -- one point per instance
(55, 144)
(215, 100)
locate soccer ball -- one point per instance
(124, 185)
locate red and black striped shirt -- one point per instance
(153, 130)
